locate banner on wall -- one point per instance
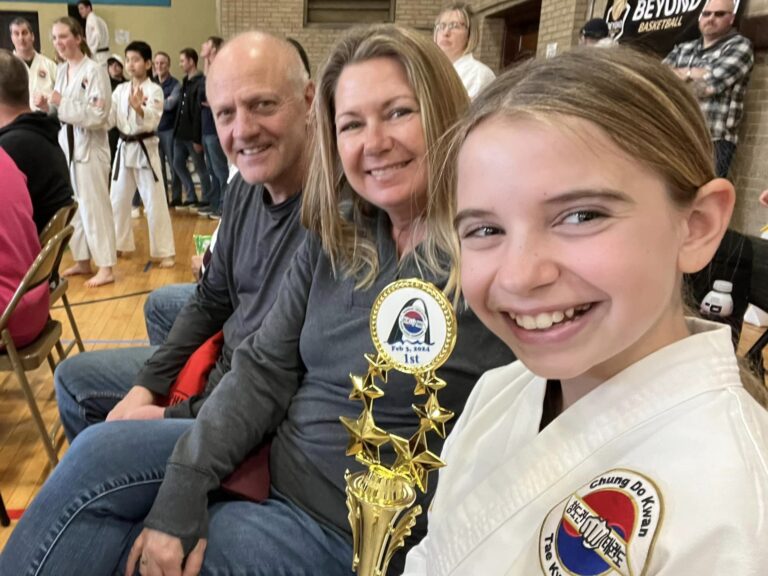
(656, 25)
(119, 2)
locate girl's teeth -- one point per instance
(546, 320)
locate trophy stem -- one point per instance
(376, 499)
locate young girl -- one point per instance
(624, 442)
(82, 100)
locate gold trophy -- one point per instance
(413, 328)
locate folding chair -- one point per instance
(33, 355)
(5, 520)
(60, 285)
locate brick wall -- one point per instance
(287, 17)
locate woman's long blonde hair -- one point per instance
(639, 103)
(442, 100)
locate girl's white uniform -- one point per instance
(86, 99)
(659, 471)
(133, 168)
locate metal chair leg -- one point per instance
(5, 520)
(72, 323)
(21, 376)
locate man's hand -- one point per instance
(198, 147)
(160, 554)
(137, 397)
(55, 98)
(145, 413)
(764, 197)
(197, 266)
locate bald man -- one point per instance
(717, 66)
(259, 232)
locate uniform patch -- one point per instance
(606, 527)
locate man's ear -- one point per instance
(707, 221)
(309, 95)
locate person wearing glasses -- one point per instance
(457, 36)
(717, 66)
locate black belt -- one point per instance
(135, 138)
(70, 141)
(103, 49)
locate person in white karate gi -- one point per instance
(136, 110)
(82, 100)
(41, 69)
(626, 440)
(96, 32)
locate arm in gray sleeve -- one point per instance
(205, 314)
(249, 402)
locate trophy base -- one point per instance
(376, 498)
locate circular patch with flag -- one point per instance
(606, 527)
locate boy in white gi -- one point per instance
(136, 110)
(42, 70)
(625, 441)
(82, 99)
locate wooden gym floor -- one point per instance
(108, 317)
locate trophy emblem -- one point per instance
(413, 328)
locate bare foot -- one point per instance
(167, 263)
(103, 276)
(83, 267)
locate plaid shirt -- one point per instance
(721, 91)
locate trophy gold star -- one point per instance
(365, 438)
(365, 389)
(432, 416)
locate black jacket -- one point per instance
(188, 124)
(31, 140)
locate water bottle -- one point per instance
(718, 301)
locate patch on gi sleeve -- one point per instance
(606, 527)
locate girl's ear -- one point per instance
(707, 221)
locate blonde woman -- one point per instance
(377, 126)
(457, 34)
(624, 441)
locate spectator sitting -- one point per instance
(19, 246)
(30, 139)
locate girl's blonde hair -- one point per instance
(442, 100)
(636, 101)
(468, 17)
(77, 31)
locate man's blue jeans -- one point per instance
(166, 153)
(182, 149)
(217, 163)
(89, 512)
(162, 307)
(89, 385)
